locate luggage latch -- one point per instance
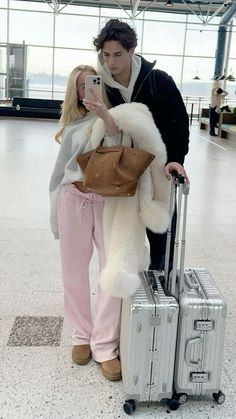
(199, 377)
(155, 321)
(204, 325)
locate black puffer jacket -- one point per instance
(158, 91)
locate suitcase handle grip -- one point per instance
(191, 284)
(189, 347)
(177, 176)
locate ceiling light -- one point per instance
(169, 3)
(230, 78)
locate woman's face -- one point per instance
(81, 82)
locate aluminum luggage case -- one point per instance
(202, 316)
(200, 341)
(148, 341)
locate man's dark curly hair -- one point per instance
(116, 30)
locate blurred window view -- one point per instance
(39, 48)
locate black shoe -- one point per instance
(213, 134)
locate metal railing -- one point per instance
(194, 104)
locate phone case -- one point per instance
(94, 82)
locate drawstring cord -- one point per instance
(83, 205)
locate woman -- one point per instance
(76, 219)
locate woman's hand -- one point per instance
(97, 105)
(99, 108)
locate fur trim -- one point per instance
(119, 283)
(125, 219)
(155, 217)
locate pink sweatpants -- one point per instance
(80, 225)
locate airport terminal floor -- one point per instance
(37, 378)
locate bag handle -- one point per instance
(102, 141)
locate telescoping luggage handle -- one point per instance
(178, 182)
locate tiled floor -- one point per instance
(37, 378)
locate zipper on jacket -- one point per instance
(145, 78)
(140, 87)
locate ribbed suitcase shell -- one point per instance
(148, 342)
(200, 338)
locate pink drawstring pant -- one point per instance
(80, 225)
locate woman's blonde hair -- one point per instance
(72, 108)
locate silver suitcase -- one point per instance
(202, 320)
(200, 342)
(147, 343)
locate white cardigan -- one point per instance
(125, 219)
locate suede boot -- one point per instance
(111, 369)
(81, 354)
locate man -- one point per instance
(130, 78)
(217, 94)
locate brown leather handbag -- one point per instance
(114, 171)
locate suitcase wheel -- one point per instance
(219, 397)
(173, 404)
(129, 406)
(181, 397)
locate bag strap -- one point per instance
(102, 141)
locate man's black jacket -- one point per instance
(158, 91)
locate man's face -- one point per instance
(117, 58)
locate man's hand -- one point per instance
(178, 167)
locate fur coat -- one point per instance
(125, 219)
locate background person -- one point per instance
(217, 94)
(128, 77)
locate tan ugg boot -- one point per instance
(81, 354)
(111, 369)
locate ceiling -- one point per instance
(205, 10)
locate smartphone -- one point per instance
(95, 82)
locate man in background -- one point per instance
(217, 94)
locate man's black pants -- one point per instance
(213, 119)
(158, 247)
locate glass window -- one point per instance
(33, 28)
(195, 19)
(4, 3)
(66, 60)
(3, 70)
(3, 60)
(203, 67)
(163, 38)
(2, 87)
(119, 13)
(233, 45)
(29, 5)
(79, 10)
(230, 88)
(39, 94)
(3, 25)
(113, 13)
(201, 42)
(75, 31)
(39, 68)
(172, 65)
(165, 16)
